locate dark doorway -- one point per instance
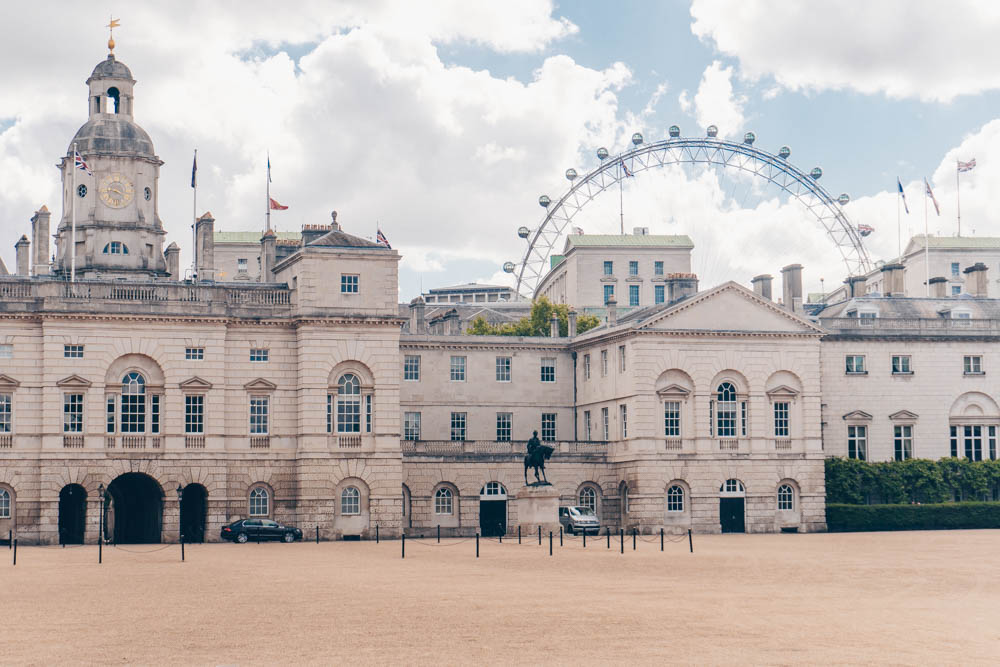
(72, 514)
(731, 515)
(136, 509)
(194, 510)
(492, 518)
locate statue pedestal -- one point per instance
(538, 506)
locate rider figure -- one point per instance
(534, 443)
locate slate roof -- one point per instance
(916, 308)
(341, 239)
(955, 243)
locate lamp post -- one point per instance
(100, 524)
(180, 525)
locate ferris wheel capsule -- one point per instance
(637, 138)
(571, 174)
(749, 138)
(712, 131)
(784, 152)
(674, 131)
(816, 173)
(508, 267)
(843, 199)
(544, 201)
(602, 153)
(523, 232)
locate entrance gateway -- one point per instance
(134, 512)
(194, 508)
(732, 506)
(72, 514)
(493, 510)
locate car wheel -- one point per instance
(289, 537)
(569, 529)
(241, 538)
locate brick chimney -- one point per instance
(417, 309)
(856, 286)
(762, 285)
(939, 287)
(572, 323)
(40, 241)
(22, 249)
(892, 280)
(975, 280)
(173, 257)
(791, 287)
(204, 233)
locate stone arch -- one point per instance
(407, 507)
(126, 363)
(8, 518)
(671, 516)
(783, 378)
(598, 495)
(974, 405)
(361, 370)
(355, 522)
(452, 520)
(135, 514)
(674, 377)
(250, 498)
(785, 518)
(729, 375)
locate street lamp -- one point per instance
(180, 494)
(100, 524)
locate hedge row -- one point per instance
(854, 482)
(857, 518)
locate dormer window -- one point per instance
(867, 317)
(115, 248)
(963, 317)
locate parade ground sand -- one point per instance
(902, 598)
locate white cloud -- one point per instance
(715, 102)
(904, 48)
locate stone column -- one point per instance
(554, 327)
(23, 251)
(791, 287)
(267, 256)
(40, 241)
(204, 232)
(612, 306)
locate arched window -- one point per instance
(350, 501)
(725, 411)
(258, 501)
(443, 501)
(133, 415)
(732, 488)
(588, 498)
(4, 504)
(675, 499)
(786, 497)
(624, 495)
(494, 490)
(348, 404)
(115, 248)
(114, 98)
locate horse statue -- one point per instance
(536, 457)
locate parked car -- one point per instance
(581, 519)
(249, 530)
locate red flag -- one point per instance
(275, 206)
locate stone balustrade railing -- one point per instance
(515, 447)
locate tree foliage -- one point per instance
(854, 482)
(535, 324)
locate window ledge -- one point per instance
(902, 372)
(634, 279)
(608, 279)
(856, 373)
(974, 373)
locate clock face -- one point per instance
(116, 191)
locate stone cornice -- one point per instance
(293, 321)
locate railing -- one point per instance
(674, 444)
(131, 442)
(587, 447)
(15, 290)
(109, 442)
(6, 440)
(72, 441)
(194, 442)
(729, 445)
(260, 442)
(347, 441)
(259, 297)
(486, 447)
(910, 324)
(783, 443)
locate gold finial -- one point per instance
(111, 37)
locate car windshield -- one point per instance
(584, 511)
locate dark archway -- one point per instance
(72, 514)
(194, 512)
(136, 509)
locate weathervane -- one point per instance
(111, 36)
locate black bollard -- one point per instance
(477, 545)
(690, 543)
(621, 535)
(518, 533)
(550, 542)
(439, 533)
(500, 536)
(15, 552)
(560, 536)
(100, 546)
(661, 539)
(258, 535)
(317, 534)
(584, 538)
(402, 543)
(539, 536)
(633, 539)
(10, 540)
(609, 537)
(182, 547)
(376, 533)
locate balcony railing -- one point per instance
(782, 443)
(194, 442)
(674, 444)
(260, 442)
(72, 441)
(346, 441)
(132, 442)
(514, 447)
(6, 440)
(729, 445)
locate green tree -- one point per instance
(537, 323)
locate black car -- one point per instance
(250, 530)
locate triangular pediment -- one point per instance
(260, 384)
(904, 415)
(730, 307)
(74, 382)
(7, 382)
(195, 382)
(673, 390)
(858, 415)
(783, 390)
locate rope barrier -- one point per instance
(148, 551)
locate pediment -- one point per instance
(858, 415)
(782, 390)
(904, 415)
(260, 384)
(7, 382)
(195, 382)
(74, 382)
(673, 390)
(730, 308)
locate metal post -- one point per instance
(500, 536)
(621, 535)
(690, 543)
(661, 539)
(376, 533)
(539, 536)
(550, 542)
(10, 540)
(182, 547)
(518, 533)
(439, 533)
(609, 537)
(15, 551)
(403, 545)
(560, 535)
(633, 539)
(100, 529)
(317, 534)
(584, 538)
(477, 545)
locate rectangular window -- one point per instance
(609, 291)
(901, 364)
(241, 264)
(743, 418)
(855, 364)
(633, 295)
(194, 414)
(956, 290)
(348, 413)
(503, 369)
(586, 367)
(73, 351)
(110, 411)
(955, 269)
(991, 432)
(458, 420)
(672, 419)
(954, 442)
(623, 413)
(258, 415)
(194, 353)
(458, 369)
(857, 442)
(411, 367)
(154, 413)
(659, 294)
(658, 268)
(781, 423)
(621, 358)
(505, 424)
(633, 268)
(609, 268)
(259, 354)
(368, 413)
(973, 365)
(411, 426)
(348, 283)
(605, 424)
(329, 413)
(725, 418)
(867, 318)
(548, 369)
(903, 442)
(6, 413)
(548, 426)
(133, 413)
(973, 442)
(604, 363)
(6, 351)
(586, 425)
(72, 413)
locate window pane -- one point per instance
(548, 426)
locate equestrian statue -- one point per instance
(535, 458)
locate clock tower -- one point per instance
(118, 229)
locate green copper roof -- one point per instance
(252, 237)
(959, 242)
(629, 240)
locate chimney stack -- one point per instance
(892, 280)
(312, 232)
(40, 241)
(23, 251)
(939, 287)
(554, 326)
(681, 286)
(173, 257)
(453, 323)
(975, 280)
(572, 323)
(762, 285)
(417, 307)
(856, 286)
(791, 287)
(267, 256)
(612, 306)
(204, 232)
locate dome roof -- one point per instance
(113, 135)
(111, 68)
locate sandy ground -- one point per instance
(923, 597)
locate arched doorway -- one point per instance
(493, 510)
(135, 513)
(72, 514)
(194, 512)
(732, 506)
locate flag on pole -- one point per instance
(269, 168)
(903, 195)
(967, 166)
(275, 206)
(381, 239)
(80, 163)
(865, 230)
(625, 169)
(930, 193)
(194, 171)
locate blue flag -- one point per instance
(903, 195)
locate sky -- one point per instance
(441, 123)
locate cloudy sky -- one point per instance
(442, 122)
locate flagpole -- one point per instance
(72, 242)
(267, 208)
(958, 198)
(899, 226)
(927, 245)
(194, 223)
(621, 200)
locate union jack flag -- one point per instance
(967, 166)
(381, 239)
(80, 163)
(625, 169)
(865, 230)
(930, 193)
